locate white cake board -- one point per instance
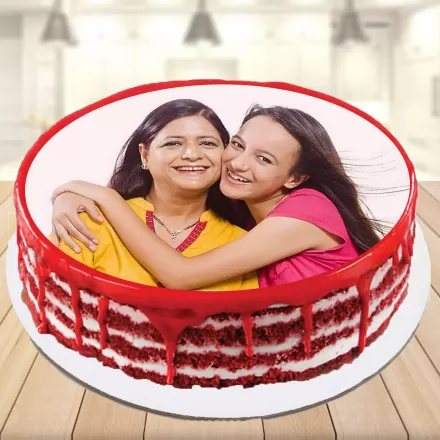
(236, 402)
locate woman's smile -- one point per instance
(192, 169)
(186, 154)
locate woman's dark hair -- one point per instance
(319, 160)
(131, 181)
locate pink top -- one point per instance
(314, 207)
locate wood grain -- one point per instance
(47, 406)
(6, 189)
(6, 232)
(7, 222)
(354, 416)
(5, 301)
(161, 427)
(314, 423)
(103, 418)
(414, 385)
(428, 332)
(432, 240)
(433, 188)
(428, 209)
(17, 355)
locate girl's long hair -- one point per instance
(319, 160)
(131, 181)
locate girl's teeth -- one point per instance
(240, 179)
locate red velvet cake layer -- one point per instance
(213, 354)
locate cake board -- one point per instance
(235, 402)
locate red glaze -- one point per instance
(405, 250)
(102, 314)
(77, 312)
(396, 258)
(363, 288)
(171, 324)
(42, 274)
(410, 240)
(306, 312)
(247, 328)
(21, 269)
(171, 370)
(181, 309)
(41, 296)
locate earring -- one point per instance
(143, 166)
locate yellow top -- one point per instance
(113, 258)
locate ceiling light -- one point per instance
(202, 27)
(57, 30)
(350, 30)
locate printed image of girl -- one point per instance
(287, 180)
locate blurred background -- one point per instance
(382, 56)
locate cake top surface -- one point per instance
(196, 302)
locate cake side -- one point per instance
(287, 342)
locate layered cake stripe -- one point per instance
(280, 341)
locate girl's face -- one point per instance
(258, 161)
(185, 154)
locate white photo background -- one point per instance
(88, 148)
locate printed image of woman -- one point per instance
(167, 176)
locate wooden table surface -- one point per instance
(38, 401)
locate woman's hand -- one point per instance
(66, 222)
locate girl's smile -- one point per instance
(258, 162)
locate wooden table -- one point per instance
(38, 401)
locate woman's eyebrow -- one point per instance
(182, 137)
(207, 136)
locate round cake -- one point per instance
(292, 332)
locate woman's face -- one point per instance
(257, 162)
(185, 154)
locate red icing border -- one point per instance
(170, 311)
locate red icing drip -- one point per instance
(171, 323)
(396, 258)
(77, 312)
(306, 312)
(102, 314)
(410, 240)
(363, 287)
(405, 250)
(171, 352)
(42, 274)
(21, 270)
(247, 328)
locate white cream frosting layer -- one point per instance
(138, 317)
(341, 347)
(92, 325)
